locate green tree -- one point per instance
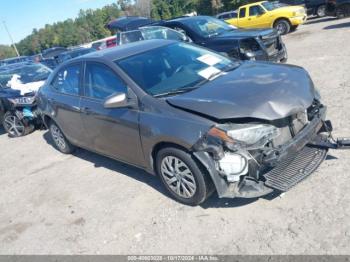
(6, 51)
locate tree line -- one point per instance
(90, 24)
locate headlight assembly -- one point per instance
(249, 135)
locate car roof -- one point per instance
(119, 52)
(185, 18)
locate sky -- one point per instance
(22, 16)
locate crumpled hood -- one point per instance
(240, 33)
(255, 90)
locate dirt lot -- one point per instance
(88, 204)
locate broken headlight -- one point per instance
(249, 135)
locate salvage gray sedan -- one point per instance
(199, 120)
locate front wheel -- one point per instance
(182, 176)
(15, 127)
(321, 11)
(282, 26)
(60, 141)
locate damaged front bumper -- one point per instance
(275, 169)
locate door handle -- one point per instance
(86, 110)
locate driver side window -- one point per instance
(101, 82)
(255, 10)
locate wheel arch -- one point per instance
(46, 120)
(281, 18)
(159, 146)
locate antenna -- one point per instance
(8, 32)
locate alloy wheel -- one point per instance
(58, 137)
(178, 177)
(281, 28)
(14, 126)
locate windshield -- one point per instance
(27, 74)
(208, 26)
(174, 68)
(270, 6)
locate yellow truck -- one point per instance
(266, 14)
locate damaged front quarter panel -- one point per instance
(211, 150)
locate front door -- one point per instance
(243, 18)
(113, 132)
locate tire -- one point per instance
(195, 185)
(321, 11)
(15, 127)
(60, 141)
(282, 26)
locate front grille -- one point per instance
(295, 168)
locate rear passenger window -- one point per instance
(242, 13)
(67, 80)
(101, 81)
(255, 10)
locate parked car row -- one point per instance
(177, 99)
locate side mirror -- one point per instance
(118, 100)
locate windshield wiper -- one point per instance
(176, 91)
(228, 68)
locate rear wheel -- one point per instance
(14, 126)
(321, 11)
(282, 26)
(182, 176)
(60, 141)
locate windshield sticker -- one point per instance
(209, 59)
(209, 72)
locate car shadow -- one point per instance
(319, 20)
(140, 175)
(2, 131)
(337, 26)
(115, 165)
(215, 202)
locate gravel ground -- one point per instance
(87, 204)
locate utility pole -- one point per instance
(8, 32)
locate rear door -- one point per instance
(113, 132)
(65, 101)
